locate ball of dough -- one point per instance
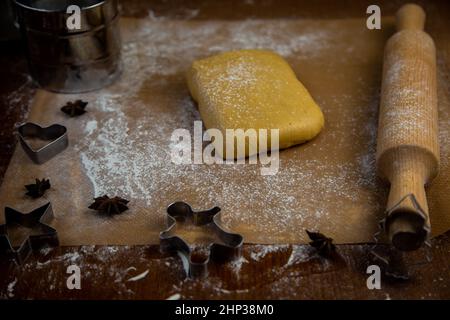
(254, 89)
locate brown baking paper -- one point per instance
(122, 145)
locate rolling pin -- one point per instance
(407, 142)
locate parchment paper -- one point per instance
(122, 145)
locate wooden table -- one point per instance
(264, 272)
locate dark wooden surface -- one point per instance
(275, 272)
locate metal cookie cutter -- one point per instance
(389, 255)
(56, 134)
(225, 246)
(38, 232)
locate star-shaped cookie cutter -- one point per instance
(56, 134)
(41, 234)
(226, 247)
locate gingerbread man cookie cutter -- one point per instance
(226, 246)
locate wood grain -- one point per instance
(407, 144)
(288, 272)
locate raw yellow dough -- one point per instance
(254, 89)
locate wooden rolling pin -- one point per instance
(407, 146)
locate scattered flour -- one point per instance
(71, 257)
(46, 250)
(15, 100)
(11, 286)
(299, 254)
(175, 296)
(91, 126)
(130, 269)
(95, 263)
(236, 265)
(259, 252)
(139, 276)
(17, 105)
(127, 148)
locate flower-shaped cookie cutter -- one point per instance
(56, 135)
(225, 247)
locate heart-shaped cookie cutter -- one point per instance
(228, 247)
(56, 134)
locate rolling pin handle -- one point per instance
(411, 17)
(406, 224)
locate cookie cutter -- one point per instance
(40, 235)
(392, 253)
(226, 247)
(57, 134)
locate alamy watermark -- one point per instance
(74, 280)
(373, 22)
(374, 280)
(73, 22)
(261, 144)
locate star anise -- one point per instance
(37, 189)
(109, 205)
(76, 108)
(322, 243)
